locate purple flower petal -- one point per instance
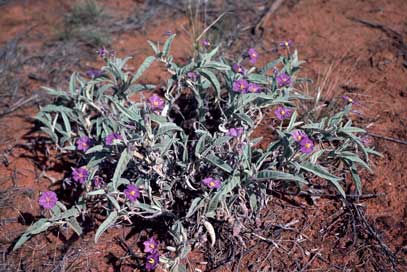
(253, 88)
(194, 76)
(206, 43)
(253, 55)
(307, 146)
(212, 183)
(240, 86)
(156, 102)
(113, 138)
(152, 261)
(235, 132)
(102, 52)
(132, 192)
(299, 135)
(286, 44)
(283, 80)
(48, 200)
(151, 245)
(80, 174)
(237, 68)
(283, 113)
(83, 143)
(98, 181)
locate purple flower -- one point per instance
(283, 80)
(235, 132)
(80, 174)
(350, 100)
(102, 52)
(240, 86)
(98, 181)
(156, 102)
(283, 113)
(151, 245)
(299, 135)
(194, 76)
(168, 33)
(252, 55)
(132, 192)
(211, 182)
(113, 138)
(307, 146)
(206, 43)
(152, 261)
(48, 200)
(94, 73)
(83, 143)
(286, 44)
(237, 68)
(253, 88)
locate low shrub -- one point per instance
(185, 156)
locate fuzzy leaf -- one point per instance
(109, 221)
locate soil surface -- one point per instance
(352, 48)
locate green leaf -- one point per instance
(196, 203)
(217, 65)
(216, 161)
(97, 192)
(167, 45)
(323, 173)
(269, 66)
(72, 212)
(167, 127)
(114, 202)
(93, 149)
(67, 124)
(356, 179)
(73, 223)
(109, 221)
(278, 175)
(125, 158)
(207, 57)
(200, 145)
(213, 204)
(212, 79)
(354, 158)
(143, 67)
(261, 79)
(154, 47)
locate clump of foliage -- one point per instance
(83, 23)
(185, 156)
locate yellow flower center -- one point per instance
(254, 55)
(155, 103)
(307, 145)
(151, 260)
(299, 137)
(132, 193)
(282, 112)
(47, 199)
(212, 184)
(241, 86)
(350, 100)
(152, 246)
(286, 44)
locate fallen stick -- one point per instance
(17, 105)
(387, 138)
(266, 16)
